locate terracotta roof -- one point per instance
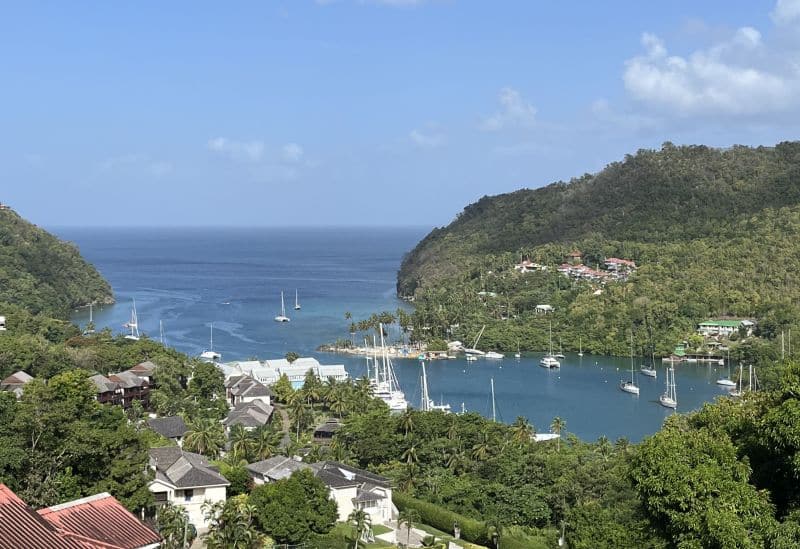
(21, 526)
(100, 518)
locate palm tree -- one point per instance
(205, 436)
(410, 455)
(522, 430)
(407, 517)
(556, 427)
(231, 525)
(173, 525)
(241, 442)
(480, 450)
(430, 542)
(456, 460)
(361, 522)
(265, 443)
(604, 448)
(452, 430)
(407, 422)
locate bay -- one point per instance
(190, 277)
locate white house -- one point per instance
(353, 488)
(724, 328)
(544, 309)
(245, 389)
(269, 371)
(187, 480)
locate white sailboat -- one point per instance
(517, 354)
(752, 383)
(472, 358)
(670, 397)
(630, 386)
(427, 404)
(649, 371)
(296, 301)
(211, 354)
(133, 324)
(384, 384)
(90, 325)
(474, 349)
(282, 317)
(727, 381)
(548, 360)
(560, 353)
(494, 406)
(494, 355)
(580, 346)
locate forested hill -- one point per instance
(671, 195)
(42, 273)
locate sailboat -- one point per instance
(670, 397)
(133, 324)
(211, 354)
(282, 317)
(474, 349)
(427, 404)
(752, 383)
(580, 346)
(90, 325)
(560, 353)
(517, 354)
(727, 381)
(494, 406)
(384, 384)
(649, 371)
(630, 386)
(494, 355)
(548, 360)
(296, 302)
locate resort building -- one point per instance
(544, 309)
(187, 480)
(353, 488)
(528, 266)
(725, 328)
(15, 383)
(244, 388)
(145, 370)
(268, 372)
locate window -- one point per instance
(187, 495)
(160, 497)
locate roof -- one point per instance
(339, 475)
(184, 469)
(17, 378)
(722, 323)
(328, 427)
(277, 467)
(100, 517)
(169, 427)
(128, 379)
(246, 386)
(249, 414)
(103, 384)
(21, 526)
(144, 368)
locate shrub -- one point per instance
(443, 519)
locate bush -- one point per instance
(436, 344)
(443, 519)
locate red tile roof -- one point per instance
(20, 526)
(100, 521)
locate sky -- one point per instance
(366, 112)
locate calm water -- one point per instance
(188, 278)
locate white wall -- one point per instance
(194, 506)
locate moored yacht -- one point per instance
(211, 354)
(282, 317)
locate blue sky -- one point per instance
(383, 112)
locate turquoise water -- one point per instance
(188, 278)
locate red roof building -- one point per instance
(98, 522)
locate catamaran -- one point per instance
(427, 404)
(548, 360)
(211, 354)
(133, 324)
(670, 397)
(384, 384)
(282, 317)
(474, 349)
(296, 301)
(630, 386)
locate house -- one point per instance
(132, 388)
(250, 415)
(353, 488)
(545, 309)
(98, 521)
(725, 328)
(274, 469)
(616, 264)
(145, 370)
(15, 383)
(171, 427)
(2, 324)
(187, 480)
(324, 433)
(528, 266)
(245, 388)
(108, 391)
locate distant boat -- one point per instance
(517, 354)
(474, 349)
(580, 346)
(211, 354)
(472, 358)
(427, 404)
(670, 397)
(90, 326)
(649, 371)
(560, 353)
(495, 356)
(727, 381)
(133, 324)
(548, 360)
(282, 317)
(630, 386)
(296, 302)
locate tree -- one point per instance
(557, 426)
(522, 430)
(241, 442)
(283, 389)
(361, 523)
(173, 525)
(265, 442)
(407, 517)
(292, 509)
(291, 356)
(205, 436)
(407, 422)
(231, 524)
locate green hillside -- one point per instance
(42, 273)
(714, 233)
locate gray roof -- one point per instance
(276, 467)
(339, 475)
(103, 384)
(184, 469)
(249, 414)
(144, 368)
(328, 427)
(169, 427)
(127, 379)
(246, 386)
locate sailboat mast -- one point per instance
(494, 408)
(212, 337)
(425, 398)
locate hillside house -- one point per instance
(122, 389)
(544, 309)
(353, 488)
(268, 372)
(528, 266)
(274, 469)
(244, 388)
(145, 370)
(15, 383)
(725, 327)
(250, 415)
(171, 427)
(616, 264)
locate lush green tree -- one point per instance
(361, 523)
(291, 356)
(173, 524)
(231, 525)
(205, 436)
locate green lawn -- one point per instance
(341, 537)
(447, 537)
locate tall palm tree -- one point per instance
(205, 436)
(173, 525)
(556, 427)
(604, 448)
(522, 430)
(265, 443)
(241, 442)
(407, 422)
(410, 455)
(456, 460)
(407, 517)
(480, 450)
(452, 430)
(361, 523)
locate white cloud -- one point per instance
(741, 75)
(786, 12)
(248, 151)
(292, 152)
(515, 112)
(427, 139)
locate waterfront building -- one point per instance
(268, 372)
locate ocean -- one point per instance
(187, 278)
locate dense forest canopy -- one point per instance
(42, 273)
